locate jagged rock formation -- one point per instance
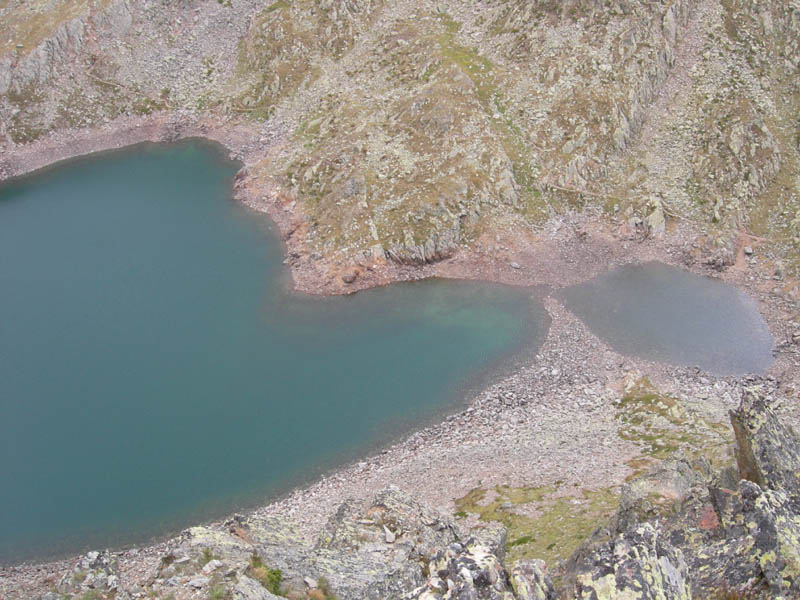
(767, 453)
(680, 533)
(708, 538)
(412, 128)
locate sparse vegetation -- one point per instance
(271, 579)
(79, 576)
(219, 591)
(547, 523)
(207, 556)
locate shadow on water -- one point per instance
(663, 313)
(155, 372)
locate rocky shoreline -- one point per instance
(684, 528)
(518, 432)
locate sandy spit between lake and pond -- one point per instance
(553, 418)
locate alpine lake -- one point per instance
(156, 370)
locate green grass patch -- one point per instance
(662, 426)
(271, 579)
(539, 523)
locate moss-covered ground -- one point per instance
(546, 523)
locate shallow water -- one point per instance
(155, 372)
(665, 314)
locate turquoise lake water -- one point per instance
(155, 372)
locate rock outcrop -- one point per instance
(767, 451)
(408, 130)
(707, 538)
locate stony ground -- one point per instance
(406, 131)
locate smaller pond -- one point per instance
(662, 313)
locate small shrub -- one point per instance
(271, 579)
(324, 586)
(207, 556)
(78, 576)
(218, 592)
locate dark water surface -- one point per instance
(154, 371)
(662, 313)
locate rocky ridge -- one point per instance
(411, 129)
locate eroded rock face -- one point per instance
(640, 563)
(408, 129)
(768, 453)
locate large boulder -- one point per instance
(762, 540)
(767, 450)
(641, 564)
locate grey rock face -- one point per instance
(640, 498)
(768, 452)
(640, 563)
(470, 572)
(530, 581)
(370, 553)
(708, 538)
(763, 537)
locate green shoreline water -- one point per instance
(155, 372)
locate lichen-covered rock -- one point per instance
(530, 581)
(465, 572)
(637, 564)
(768, 451)
(414, 527)
(364, 553)
(655, 492)
(766, 525)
